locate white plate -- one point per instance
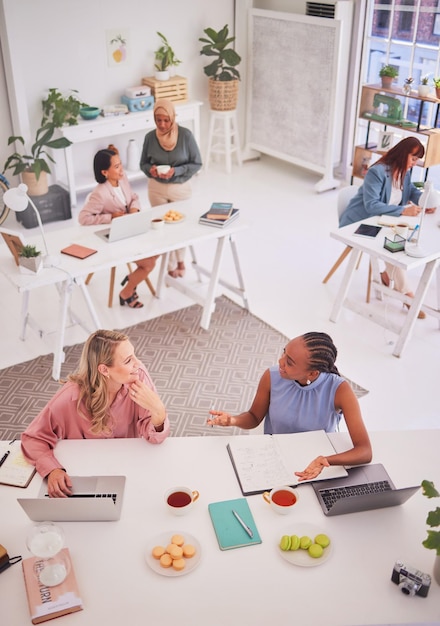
(174, 221)
(302, 557)
(163, 540)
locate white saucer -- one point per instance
(163, 540)
(302, 557)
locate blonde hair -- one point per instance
(99, 349)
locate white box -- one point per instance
(137, 92)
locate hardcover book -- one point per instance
(46, 603)
(229, 530)
(219, 211)
(204, 219)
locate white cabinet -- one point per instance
(110, 127)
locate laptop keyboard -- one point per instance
(113, 496)
(330, 496)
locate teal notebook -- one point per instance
(230, 533)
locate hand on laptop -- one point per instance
(59, 484)
(313, 469)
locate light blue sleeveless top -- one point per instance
(296, 409)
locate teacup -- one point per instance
(402, 230)
(157, 223)
(180, 499)
(282, 499)
(163, 169)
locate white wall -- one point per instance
(63, 45)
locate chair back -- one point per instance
(344, 196)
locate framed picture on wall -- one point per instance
(385, 140)
(117, 47)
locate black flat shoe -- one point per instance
(132, 301)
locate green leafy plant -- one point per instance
(223, 66)
(29, 251)
(57, 111)
(389, 70)
(432, 542)
(436, 82)
(424, 80)
(165, 55)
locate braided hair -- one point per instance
(322, 352)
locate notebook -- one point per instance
(230, 531)
(126, 226)
(14, 469)
(94, 499)
(80, 252)
(367, 478)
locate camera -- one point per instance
(411, 581)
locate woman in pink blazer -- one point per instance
(112, 198)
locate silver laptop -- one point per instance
(93, 499)
(126, 226)
(365, 488)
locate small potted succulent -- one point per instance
(436, 82)
(424, 87)
(30, 259)
(165, 58)
(407, 86)
(432, 542)
(387, 75)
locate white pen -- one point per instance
(211, 416)
(238, 518)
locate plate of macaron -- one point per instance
(304, 545)
(173, 217)
(173, 553)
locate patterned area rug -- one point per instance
(193, 369)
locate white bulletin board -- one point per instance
(292, 87)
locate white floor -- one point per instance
(284, 255)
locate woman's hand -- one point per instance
(153, 171)
(133, 209)
(431, 209)
(118, 214)
(149, 400)
(59, 484)
(411, 209)
(220, 419)
(314, 469)
(168, 175)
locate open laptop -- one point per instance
(126, 226)
(94, 499)
(365, 488)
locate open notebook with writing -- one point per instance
(14, 469)
(262, 462)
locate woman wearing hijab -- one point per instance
(173, 145)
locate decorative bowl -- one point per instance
(89, 113)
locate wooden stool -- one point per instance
(223, 137)
(112, 283)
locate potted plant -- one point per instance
(30, 259)
(432, 542)
(222, 70)
(424, 88)
(387, 74)
(165, 58)
(437, 87)
(33, 163)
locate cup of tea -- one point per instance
(180, 499)
(281, 499)
(157, 223)
(401, 230)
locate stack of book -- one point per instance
(219, 215)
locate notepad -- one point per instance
(80, 252)
(262, 462)
(230, 533)
(15, 471)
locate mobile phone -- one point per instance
(367, 230)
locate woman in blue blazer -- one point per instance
(388, 190)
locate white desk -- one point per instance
(246, 586)
(110, 127)
(72, 271)
(374, 248)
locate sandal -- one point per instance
(420, 316)
(385, 279)
(133, 301)
(177, 273)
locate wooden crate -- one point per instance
(175, 89)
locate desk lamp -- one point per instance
(429, 198)
(17, 200)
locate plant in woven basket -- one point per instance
(217, 44)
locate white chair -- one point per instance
(344, 196)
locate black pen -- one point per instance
(4, 457)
